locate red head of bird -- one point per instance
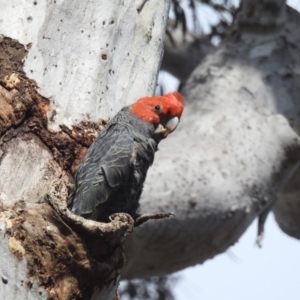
(162, 111)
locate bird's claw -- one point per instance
(121, 222)
(145, 217)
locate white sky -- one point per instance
(246, 272)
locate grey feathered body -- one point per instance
(111, 176)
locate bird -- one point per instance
(111, 176)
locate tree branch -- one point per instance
(236, 145)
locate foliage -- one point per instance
(224, 8)
(154, 288)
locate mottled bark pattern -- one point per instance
(59, 257)
(65, 65)
(58, 262)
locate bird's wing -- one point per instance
(105, 167)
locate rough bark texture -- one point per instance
(236, 147)
(63, 65)
(57, 259)
(52, 259)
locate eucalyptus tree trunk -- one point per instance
(236, 150)
(65, 66)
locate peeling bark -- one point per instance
(63, 65)
(24, 122)
(18, 94)
(58, 258)
(230, 157)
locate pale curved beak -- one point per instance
(172, 124)
(163, 130)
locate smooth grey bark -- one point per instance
(236, 148)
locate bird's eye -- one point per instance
(157, 108)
